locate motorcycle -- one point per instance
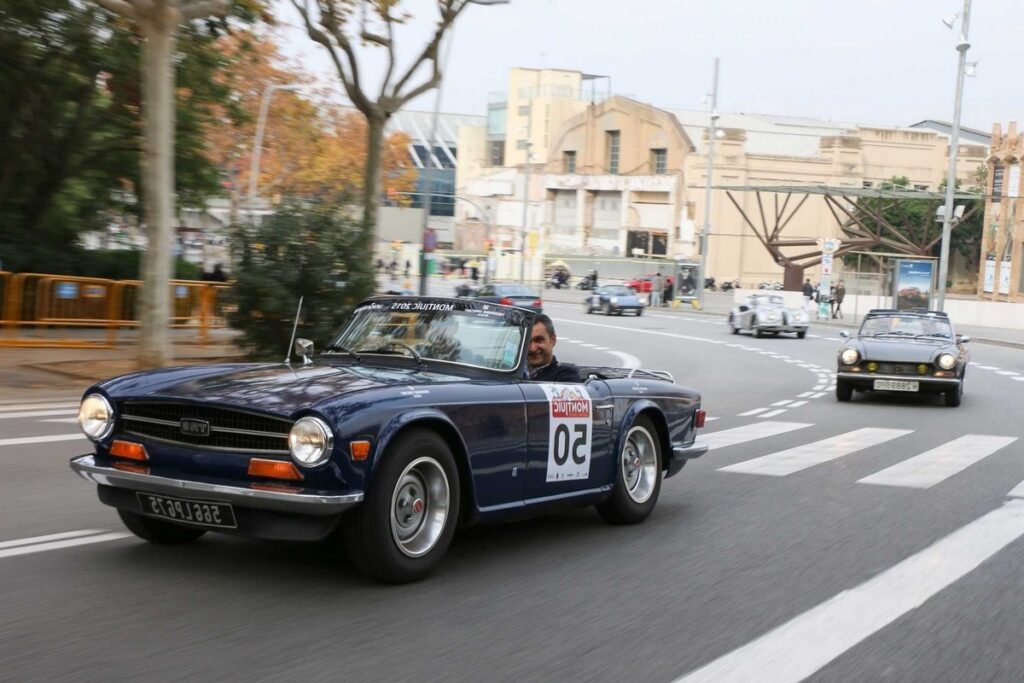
(587, 282)
(774, 286)
(728, 286)
(709, 283)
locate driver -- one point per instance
(544, 367)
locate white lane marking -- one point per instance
(983, 367)
(40, 439)
(1018, 379)
(710, 419)
(990, 367)
(57, 545)
(797, 404)
(1018, 491)
(931, 467)
(50, 537)
(64, 420)
(36, 406)
(814, 336)
(751, 432)
(818, 387)
(39, 413)
(755, 411)
(795, 459)
(600, 348)
(806, 394)
(782, 403)
(628, 360)
(809, 641)
(818, 394)
(1008, 373)
(587, 345)
(773, 413)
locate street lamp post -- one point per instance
(526, 212)
(427, 177)
(257, 145)
(706, 229)
(954, 144)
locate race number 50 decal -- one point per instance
(570, 413)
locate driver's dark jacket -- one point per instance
(556, 372)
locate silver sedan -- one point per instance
(764, 314)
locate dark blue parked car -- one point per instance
(417, 417)
(614, 299)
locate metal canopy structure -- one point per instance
(844, 205)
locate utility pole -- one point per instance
(706, 229)
(526, 211)
(954, 146)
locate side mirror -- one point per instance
(844, 334)
(963, 339)
(304, 348)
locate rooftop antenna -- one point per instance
(295, 327)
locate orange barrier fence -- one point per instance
(42, 310)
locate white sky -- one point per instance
(869, 61)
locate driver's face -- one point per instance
(542, 347)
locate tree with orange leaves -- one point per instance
(310, 147)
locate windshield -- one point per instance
(514, 290)
(619, 290)
(476, 336)
(769, 301)
(906, 326)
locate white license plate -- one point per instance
(895, 385)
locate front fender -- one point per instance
(399, 422)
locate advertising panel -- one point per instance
(1004, 277)
(990, 276)
(913, 283)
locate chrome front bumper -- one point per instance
(923, 379)
(277, 501)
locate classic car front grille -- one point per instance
(230, 430)
(899, 368)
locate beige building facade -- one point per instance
(621, 178)
(1001, 270)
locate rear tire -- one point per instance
(157, 531)
(405, 524)
(801, 334)
(637, 476)
(843, 391)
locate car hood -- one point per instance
(274, 388)
(901, 350)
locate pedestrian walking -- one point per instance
(808, 294)
(839, 296)
(657, 285)
(408, 267)
(668, 292)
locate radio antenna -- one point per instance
(295, 327)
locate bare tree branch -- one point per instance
(198, 9)
(389, 23)
(122, 7)
(449, 12)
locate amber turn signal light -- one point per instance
(274, 469)
(129, 450)
(359, 450)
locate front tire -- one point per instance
(637, 476)
(406, 523)
(955, 396)
(843, 391)
(801, 334)
(157, 531)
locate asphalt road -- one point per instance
(779, 568)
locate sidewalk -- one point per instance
(41, 372)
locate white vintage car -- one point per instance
(767, 314)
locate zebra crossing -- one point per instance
(932, 466)
(45, 412)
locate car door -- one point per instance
(568, 439)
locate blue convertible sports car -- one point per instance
(418, 416)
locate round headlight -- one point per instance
(614, 299)
(849, 356)
(310, 441)
(946, 361)
(96, 417)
